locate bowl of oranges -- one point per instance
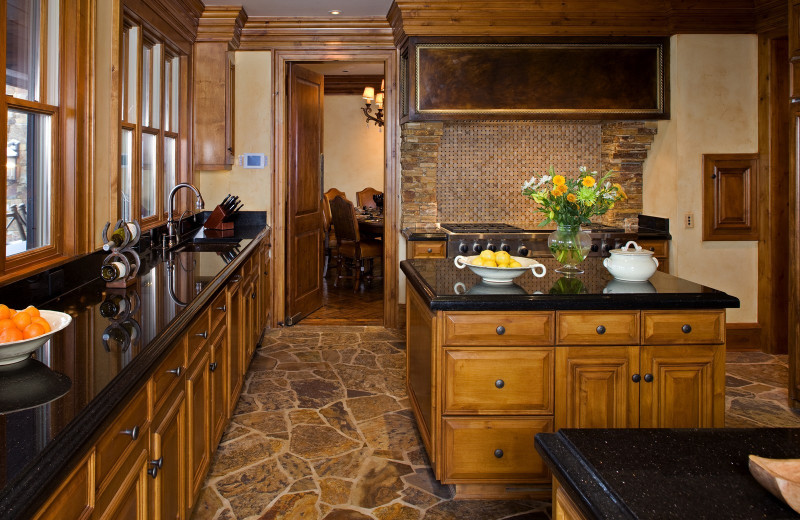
(499, 267)
(22, 332)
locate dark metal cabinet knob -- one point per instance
(177, 371)
(133, 432)
(499, 383)
(636, 378)
(601, 329)
(155, 465)
(501, 330)
(498, 453)
(253, 296)
(212, 366)
(648, 378)
(686, 329)
(222, 308)
(203, 334)
(430, 250)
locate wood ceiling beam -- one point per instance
(261, 33)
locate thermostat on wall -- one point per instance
(253, 160)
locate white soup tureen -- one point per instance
(631, 263)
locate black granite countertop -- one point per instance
(445, 287)
(667, 473)
(84, 372)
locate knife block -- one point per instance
(217, 220)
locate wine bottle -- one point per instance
(113, 306)
(117, 239)
(113, 271)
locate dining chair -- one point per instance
(364, 197)
(330, 244)
(353, 252)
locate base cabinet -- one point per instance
(198, 433)
(167, 468)
(483, 384)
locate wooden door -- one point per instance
(128, 498)
(219, 392)
(597, 387)
(682, 386)
(304, 234)
(794, 210)
(235, 341)
(168, 501)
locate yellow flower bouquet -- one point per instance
(570, 203)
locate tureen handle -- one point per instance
(462, 260)
(655, 260)
(459, 288)
(536, 264)
(636, 246)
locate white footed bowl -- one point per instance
(501, 274)
(17, 351)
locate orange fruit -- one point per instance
(6, 323)
(41, 321)
(11, 334)
(5, 312)
(33, 330)
(32, 311)
(21, 320)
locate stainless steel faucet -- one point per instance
(172, 236)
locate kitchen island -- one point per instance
(120, 413)
(489, 366)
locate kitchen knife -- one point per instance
(225, 201)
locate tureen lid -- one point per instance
(631, 249)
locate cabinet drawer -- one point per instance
(488, 329)
(597, 328)
(660, 248)
(197, 335)
(170, 371)
(499, 449)
(499, 381)
(218, 309)
(128, 431)
(670, 328)
(428, 249)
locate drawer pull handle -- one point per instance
(155, 465)
(648, 378)
(686, 329)
(636, 378)
(601, 329)
(177, 371)
(133, 432)
(430, 250)
(203, 334)
(253, 296)
(499, 383)
(498, 453)
(222, 308)
(501, 330)
(212, 366)
(235, 278)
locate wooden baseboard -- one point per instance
(542, 491)
(742, 337)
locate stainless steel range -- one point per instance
(471, 239)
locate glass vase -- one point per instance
(569, 246)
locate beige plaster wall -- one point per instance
(354, 156)
(252, 134)
(714, 110)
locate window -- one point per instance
(31, 110)
(149, 123)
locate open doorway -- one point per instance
(379, 295)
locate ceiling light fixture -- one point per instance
(335, 11)
(370, 95)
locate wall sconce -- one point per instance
(369, 95)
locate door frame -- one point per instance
(391, 271)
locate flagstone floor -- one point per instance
(323, 430)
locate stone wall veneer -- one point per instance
(419, 157)
(625, 145)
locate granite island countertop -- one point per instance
(667, 473)
(77, 379)
(443, 286)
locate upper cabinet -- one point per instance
(214, 75)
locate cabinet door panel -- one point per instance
(74, 499)
(219, 390)
(235, 342)
(499, 381)
(595, 389)
(198, 424)
(168, 499)
(687, 388)
(126, 497)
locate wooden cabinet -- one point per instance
(126, 496)
(235, 340)
(198, 423)
(564, 508)
(167, 466)
(74, 498)
(264, 293)
(214, 74)
(482, 384)
(218, 368)
(426, 249)
(660, 249)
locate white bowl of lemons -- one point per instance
(499, 267)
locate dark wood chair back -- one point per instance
(364, 197)
(343, 216)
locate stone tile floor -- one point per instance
(323, 430)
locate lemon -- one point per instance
(502, 257)
(487, 255)
(514, 263)
(477, 261)
(489, 263)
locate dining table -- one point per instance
(370, 226)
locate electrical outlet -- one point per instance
(688, 219)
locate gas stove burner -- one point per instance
(492, 227)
